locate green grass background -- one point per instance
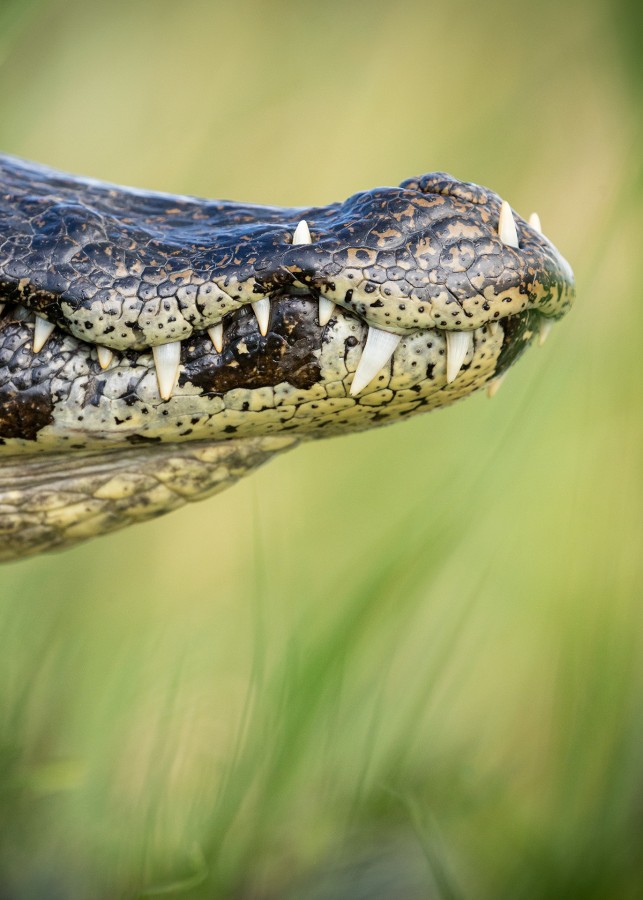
(403, 664)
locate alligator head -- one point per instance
(154, 348)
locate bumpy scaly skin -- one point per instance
(50, 504)
(129, 270)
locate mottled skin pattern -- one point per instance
(129, 270)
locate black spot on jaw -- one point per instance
(519, 331)
(142, 439)
(26, 403)
(24, 413)
(252, 360)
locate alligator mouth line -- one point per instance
(276, 366)
(378, 350)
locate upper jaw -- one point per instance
(454, 261)
(455, 323)
(444, 258)
(534, 276)
(443, 262)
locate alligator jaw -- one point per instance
(155, 348)
(300, 378)
(52, 496)
(48, 504)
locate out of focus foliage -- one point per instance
(407, 663)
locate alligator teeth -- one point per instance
(166, 359)
(105, 356)
(326, 309)
(379, 348)
(545, 327)
(41, 332)
(302, 234)
(507, 226)
(262, 312)
(216, 336)
(534, 221)
(458, 344)
(494, 386)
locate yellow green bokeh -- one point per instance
(406, 661)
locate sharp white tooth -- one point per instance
(534, 221)
(262, 312)
(545, 327)
(41, 333)
(302, 234)
(507, 226)
(166, 359)
(326, 309)
(216, 336)
(379, 348)
(458, 344)
(494, 328)
(494, 386)
(105, 356)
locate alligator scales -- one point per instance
(154, 348)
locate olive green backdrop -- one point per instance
(407, 663)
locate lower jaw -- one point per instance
(295, 379)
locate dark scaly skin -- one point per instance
(129, 270)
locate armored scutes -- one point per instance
(153, 348)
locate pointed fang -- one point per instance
(379, 348)
(326, 309)
(262, 312)
(507, 226)
(105, 356)
(166, 359)
(216, 336)
(494, 386)
(534, 222)
(302, 234)
(458, 345)
(41, 333)
(545, 327)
